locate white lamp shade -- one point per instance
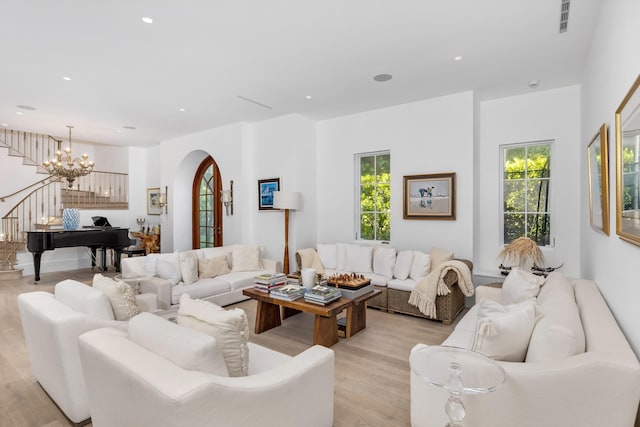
(287, 200)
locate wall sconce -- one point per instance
(163, 201)
(227, 198)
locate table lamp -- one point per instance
(286, 200)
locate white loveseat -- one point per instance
(394, 273)
(279, 390)
(52, 324)
(162, 274)
(598, 386)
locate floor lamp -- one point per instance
(286, 200)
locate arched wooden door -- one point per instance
(207, 207)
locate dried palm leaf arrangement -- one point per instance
(523, 253)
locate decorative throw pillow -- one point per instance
(520, 285)
(384, 259)
(230, 328)
(212, 267)
(358, 258)
(189, 267)
(169, 270)
(190, 349)
(420, 266)
(503, 332)
(341, 255)
(328, 256)
(246, 258)
(120, 295)
(403, 265)
(438, 256)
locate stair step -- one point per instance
(41, 169)
(3, 144)
(112, 205)
(14, 153)
(77, 193)
(29, 162)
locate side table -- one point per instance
(458, 371)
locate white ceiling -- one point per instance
(202, 55)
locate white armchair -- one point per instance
(129, 385)
(52, 324)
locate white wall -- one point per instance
(430, 136)
(545, 115)
(612, 66)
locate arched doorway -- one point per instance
(207, 207)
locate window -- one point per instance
(207, 217)
(526, 185)
(373, 204)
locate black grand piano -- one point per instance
(93, 237)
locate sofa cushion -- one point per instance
(84, 298)
(120, 295)
(230, 328)
(438, 256)
(377, 279)
(188, 267)
(151, 261)
(203, 288)
(328, 255)
(359, 258)
(503, 331)
(246, 258)
(420, 266)
(167, 266)
(520, 285)
(341, 255)
(559, 332)
(402, 285)
(403, 265)
(384, 259)
(212, 267)
(188, 348)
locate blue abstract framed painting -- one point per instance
(430, 196)
(266, 187)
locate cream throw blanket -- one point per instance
(310, 259)
(424, 294)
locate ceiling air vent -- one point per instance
(564, 15)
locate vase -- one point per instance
(70, 219)
(308, 277)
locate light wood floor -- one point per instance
(371, 372)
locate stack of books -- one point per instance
(355, 293)
(322, 295)
(287, 292)
(268, 281)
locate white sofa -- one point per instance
(161, 274)
(394, 273)
(597, 387)
(52, 324)
(279, 390)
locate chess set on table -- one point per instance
(352, 280)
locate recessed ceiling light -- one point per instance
(26, 107)
(534, 84)
(308, 97)
(129, 127)
(147, 20)
(181, 110)
(66, 78)
(457, 58)
(118, 130)
(382, 77)
(19, 113)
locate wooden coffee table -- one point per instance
(325, 331)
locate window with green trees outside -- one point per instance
(374, 196)
(526, 188)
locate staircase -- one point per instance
(42, 202)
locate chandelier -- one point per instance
(65, 166)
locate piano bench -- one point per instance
(133, 251)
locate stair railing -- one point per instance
(35, 148)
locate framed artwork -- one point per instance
(627, 171)
(153, 201)
(598, 159)
(266, 187)
(431, 196)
